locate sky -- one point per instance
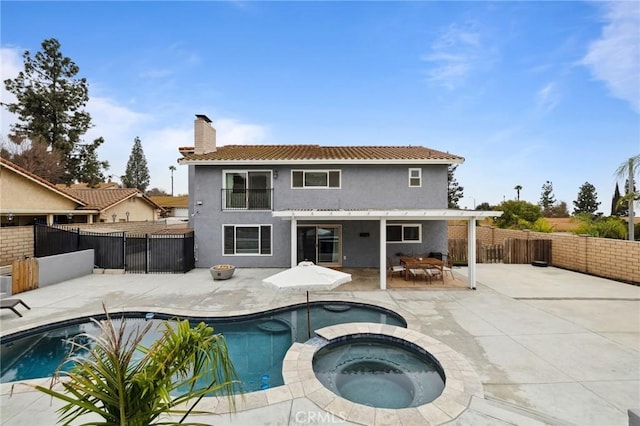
(526, 92)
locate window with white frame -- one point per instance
(404, 233)
(415, 178)
(315, 178)
(247, 189)
(246, 240)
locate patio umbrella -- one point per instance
(307, 276)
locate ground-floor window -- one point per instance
(404, 233)
(247, 239)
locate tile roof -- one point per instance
(101, 199)
(169, 201)
(102, 185)
(316, 152)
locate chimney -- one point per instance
(204, 135)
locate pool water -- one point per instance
(378, 372)
(257, 344)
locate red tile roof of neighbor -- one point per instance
(100, 199)
(317, 152)
(169, 201)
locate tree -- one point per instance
(518, 188)
(617, 208)
(85, 166)
(156, 192)
(172, 169)
(484, 206)
(602, 227)
(35, 157)
(454, 191)
(50, 101)
(587, 201)
(123, 388)
(547, 199)
(629, 169)
(517, 214)
(559, 210)
(137, 173)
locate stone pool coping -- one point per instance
(462, 382)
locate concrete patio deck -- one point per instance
(549, 346)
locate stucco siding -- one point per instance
(21, 194)
(362, 187)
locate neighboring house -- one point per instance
(340, 206)
(177, 207)
(27, 198)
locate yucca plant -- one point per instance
(126, 383)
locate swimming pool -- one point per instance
(257, 343)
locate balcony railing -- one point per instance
(247, 199)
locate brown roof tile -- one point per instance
(101, 199)
(169, 201)
(317, 152)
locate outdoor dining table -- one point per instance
(421, 263)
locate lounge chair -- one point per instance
(11, 304)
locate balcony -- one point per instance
(247, 199)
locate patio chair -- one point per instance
(434, 272)
(448, 267)
(417, 271)
(394, 269)
(11, 304)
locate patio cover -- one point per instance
(395, 214)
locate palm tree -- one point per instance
(173, 169)
(128, 384)
(518, 188)
(628, 169)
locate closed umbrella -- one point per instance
(307, 276)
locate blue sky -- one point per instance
(525, 91)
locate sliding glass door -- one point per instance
(320, 244)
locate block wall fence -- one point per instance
(16, 242)
(603, 257)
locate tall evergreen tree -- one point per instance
(454, 191)
(617, 208)
(547, 199)
(50, 101)
(137, 173)
(587, 201)
(86, 166)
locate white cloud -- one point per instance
(453, 55)
(547, 98)
(232, 132)
(11, 60)
(614, 58)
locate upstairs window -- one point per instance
(404, 233)
(315, 178)
(415, 178)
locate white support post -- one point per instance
(383, 254)
(49, 219)
(471, 253)
(294, 240)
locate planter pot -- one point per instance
(222, 272)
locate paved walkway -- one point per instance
(549, 346)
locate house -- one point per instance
(338, 206)
(177, 207)
(26, 198)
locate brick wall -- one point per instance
(16, 242)
(604, 257)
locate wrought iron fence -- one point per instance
(247, 199)
(144, 253)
